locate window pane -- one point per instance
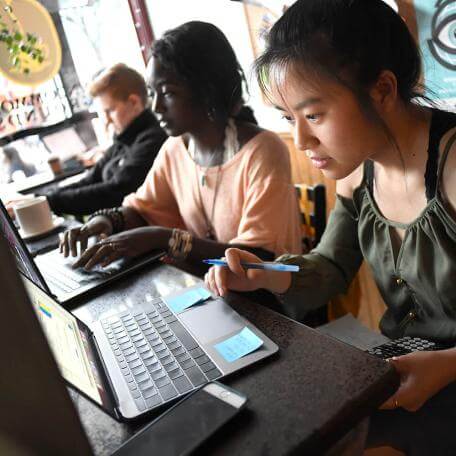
(100, 35)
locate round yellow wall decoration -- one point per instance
(29, 16)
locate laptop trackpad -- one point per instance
(211, 320)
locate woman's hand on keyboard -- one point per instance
(130, 243)
(98, 226)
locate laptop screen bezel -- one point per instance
(109, 404)
(35, 399)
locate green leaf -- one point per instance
(32, 39)
(17, 42)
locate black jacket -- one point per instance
(121, 171)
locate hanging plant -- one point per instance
(25, 49)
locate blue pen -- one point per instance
(269, 266)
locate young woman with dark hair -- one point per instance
(345, 74)
(219, 180)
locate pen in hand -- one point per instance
(269, 266)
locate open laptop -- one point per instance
(37, 415)
(54, 274)
(64, 144)
(138, 360)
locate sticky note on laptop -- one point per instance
(189, 298)
(239, 345)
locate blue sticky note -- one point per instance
(239, 345)
(188, 299)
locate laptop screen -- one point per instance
(24, 263)
(64, 144)
(69, 342)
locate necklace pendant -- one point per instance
(203, 180)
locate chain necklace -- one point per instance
(231, 146)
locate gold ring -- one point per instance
(396, 404)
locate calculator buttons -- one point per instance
(403, 346)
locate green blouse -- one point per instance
(416, 277)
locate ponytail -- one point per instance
(246, 115)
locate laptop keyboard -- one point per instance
(61, 276)
(61, 280)
(158, 357)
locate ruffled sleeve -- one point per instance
(329, 269)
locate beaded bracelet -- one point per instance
(115, 216)
(180, 244)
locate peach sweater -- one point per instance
(255, 204)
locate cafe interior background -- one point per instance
(94, 34)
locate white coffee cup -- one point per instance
(34, 216)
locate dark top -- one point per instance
(121, 171)
(415, 277)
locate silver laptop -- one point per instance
(34, 397)
(141, 359)
(54, 273)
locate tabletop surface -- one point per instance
(43, 179)
(303, 399)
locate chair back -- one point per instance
(312, 206)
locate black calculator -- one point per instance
(405, 345)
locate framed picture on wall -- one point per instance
(433, 23)
(261, 16)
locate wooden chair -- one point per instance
(312, 206)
